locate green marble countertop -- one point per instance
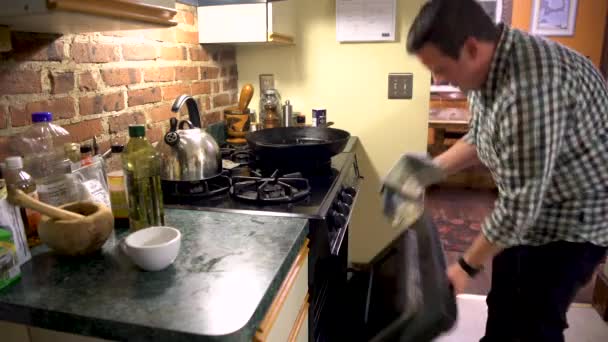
(229, 269)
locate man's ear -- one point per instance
(471, 48)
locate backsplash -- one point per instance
(96, 84)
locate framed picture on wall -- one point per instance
(553, 17)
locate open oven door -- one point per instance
(403, 294)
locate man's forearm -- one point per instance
(458, 157)
(481, 251)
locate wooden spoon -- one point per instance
(245, 97)
(19, 198)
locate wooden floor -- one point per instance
(456, 204)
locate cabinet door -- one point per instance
(284, 311)
(282, 21)
(299, 332)
(11, 332)
(232, 23)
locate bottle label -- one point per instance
(97, 192)
(118, 196)
(54, 193)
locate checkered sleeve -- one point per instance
(470, 137)
(532, 129)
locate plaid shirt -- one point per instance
(540, 125)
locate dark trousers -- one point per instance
(532, 288)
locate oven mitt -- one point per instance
(404, 185)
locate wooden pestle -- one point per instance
(19, 198)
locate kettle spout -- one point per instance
(193, 112)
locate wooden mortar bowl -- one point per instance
(78, 236)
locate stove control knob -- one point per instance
(350, 190)
(336, 219)
(342, 208)
(346, 198)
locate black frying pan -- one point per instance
(297, 143)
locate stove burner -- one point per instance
(238, 153)
(196, 189)
(273, 189)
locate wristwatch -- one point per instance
(470, 270)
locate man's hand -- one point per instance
(459, 278)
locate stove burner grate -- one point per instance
(274, 189)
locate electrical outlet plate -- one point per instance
(400, 86)
(266, 82)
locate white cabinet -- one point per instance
(74, 16)
(266, 22)
(287, 317)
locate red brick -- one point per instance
(164, 74)
(199, 54)
(186, 36)
(184, 17)
(199, 88)
(117, 77)
(3, 117)
(234, 71)
(207, 103)
(20, 82)
(230, 84)
(120, 123)
(221, 100)
(209, 73)
(154, 134)
(62, 108)
(84, 130)
(102, 103)
(186, 73)
(87, 81)
(138, 52)
(4, 147)
(173, 91)
(143, 96)
(36, 47)
(173, 53)
(61, 82)
(93, 53)
(211, 118)
(228, 55)
(162, 35)
(216, 87)
(160, 113)
(234, 98)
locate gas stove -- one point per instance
(325, 193)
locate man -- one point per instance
(540, 125)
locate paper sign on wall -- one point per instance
(364, 20)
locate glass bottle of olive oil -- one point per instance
(141, 165)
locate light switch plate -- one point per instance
(266, 82)
(400, 86)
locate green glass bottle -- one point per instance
(141, 165)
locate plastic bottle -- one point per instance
(116, 182)
(141, 164)
(16, 178)
(42, 148)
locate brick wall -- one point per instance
(96, 84)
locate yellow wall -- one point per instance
(590, 24)
(350, 81)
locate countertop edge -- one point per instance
(116, 330)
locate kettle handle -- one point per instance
(187, 122)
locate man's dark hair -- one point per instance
(448, 23)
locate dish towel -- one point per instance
(403, 188)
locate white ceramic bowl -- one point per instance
(153, 248)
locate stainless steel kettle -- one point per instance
(188, 154)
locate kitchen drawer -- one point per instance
(286, 307)
(12, 332)
(299, 332)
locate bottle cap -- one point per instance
(137, 131)
(117, 148)
(14, 163)
(42, 117)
